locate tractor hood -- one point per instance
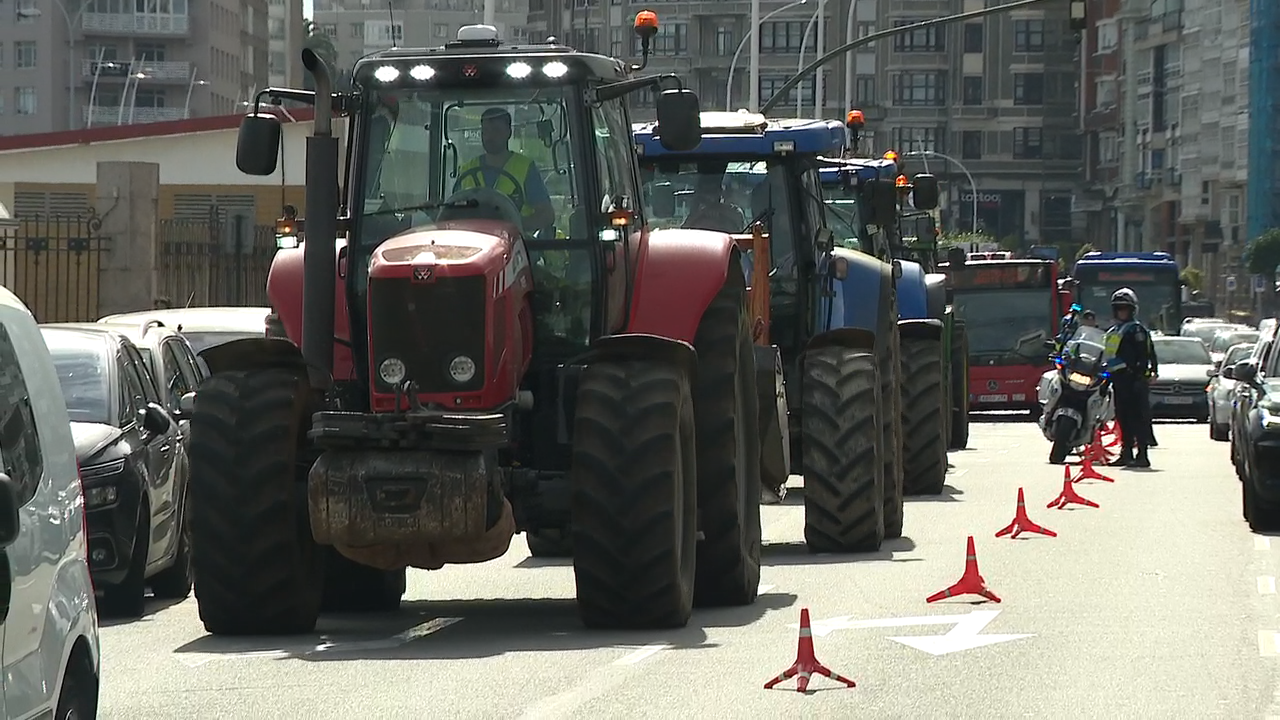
(462, 247)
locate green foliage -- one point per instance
(1085, 249)
(1263, 254)
(1192, 278)
(964, 239)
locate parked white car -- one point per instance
(50, 623)
(1221, 391)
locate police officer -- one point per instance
(499, 168)
(1068, 327)
(1132, 363)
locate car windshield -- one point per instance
(1170, 351)
(1156, 302)
(205, 339)
(1007, 326)
(1223, 341)
(82, 363)
(1237, 353)
(1205, 332)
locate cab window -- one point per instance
(20, 456)
(147, 383)
(133, 384)
(613, 151)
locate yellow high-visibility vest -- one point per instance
(517, 165)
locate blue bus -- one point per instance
(1154, 276)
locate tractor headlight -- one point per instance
(392, 371)
(462, 369)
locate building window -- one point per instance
(672, 39)
(27, 11)
(1104, 93)
(105, 53)
(617, 41)
(918, 88)
(928, 39)
(149, 52)
(864, 89)
(24, 54)
(782, 37)
(724, 41)
(865, 29)
(329, 29)
(1108, 148)
(971, 145)
(917, 139)
(769, 86)
(973, 37)
(357, 29)
(149, 99)
(1108, 37)
(1028, 89)
(972, 90)
(24, 101)
(1028, 36)
(440, 30)
(1028, 143)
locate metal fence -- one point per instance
(214, 262)
(52, 263)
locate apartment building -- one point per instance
(286, 36)
(68, 65)
(359, 27)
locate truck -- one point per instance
(1009, 307)
(1154, 276)
(826, 320)
(458, 367)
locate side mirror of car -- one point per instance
(1228, 373)
(1245, 372)
(154, 419)
(1211, 373)
(1048, 343)
(10, 523)
(186, 405)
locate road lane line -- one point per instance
(1268, 643)
(641, 654)
(1261, 542)
(1266, 585)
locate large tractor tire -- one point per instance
(924, 403)
(350, 587)
(549, 543)
(258, 570)
(635, 496)
(843, 473)
(960, 387)
(726, 410)
(889, 360)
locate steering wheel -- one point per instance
(489, 205)
(517, 193)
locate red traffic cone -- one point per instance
(806, 664)
(970, 583)
(1116, 438)
(1087, 472)
(1021, 523)
(1068, 495)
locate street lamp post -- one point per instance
(135, 74)
(755, 74)
(973, 187)
(804, 45)
(186, 108)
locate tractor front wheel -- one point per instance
(844, 483)
(350, 587)
(634, 497)
(924, 404)
(960, 387)
(890, 363)
(258, 571)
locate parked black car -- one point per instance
(132, 465)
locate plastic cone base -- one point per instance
(1021, 523)
(1087, 472)
(970, 583)
(1069, 496)
(806, 664)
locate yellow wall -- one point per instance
(267, 199)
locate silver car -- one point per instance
(1221, 391)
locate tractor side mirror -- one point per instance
(662, 199)
(679, 120)
(825, 240)
(258, 144)
(924, 193)
(881, 198)
(1229, 373)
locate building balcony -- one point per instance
(132, 24)
(105, 115)
(118, 70)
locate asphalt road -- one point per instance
(1158, 604)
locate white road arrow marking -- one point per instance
(964, 636)
(196, 659)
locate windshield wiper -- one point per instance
(471, 203)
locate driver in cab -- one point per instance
(510, 173)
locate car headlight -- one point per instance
(100, 496)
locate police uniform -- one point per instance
(1132, 363)
(1067, 328)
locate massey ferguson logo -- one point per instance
(424, 274)
(992, 384)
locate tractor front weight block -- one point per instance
(422, 430)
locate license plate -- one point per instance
(993, 398)
(1179, 400)
(1019, 397)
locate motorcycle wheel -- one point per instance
(1064, 428)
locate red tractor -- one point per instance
(475, 349)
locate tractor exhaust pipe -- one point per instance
(319, 260)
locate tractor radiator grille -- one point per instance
(427, 325)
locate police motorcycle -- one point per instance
(1075, 394)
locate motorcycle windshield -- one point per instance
(1085, 356)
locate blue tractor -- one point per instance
(827, 329)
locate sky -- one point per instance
(308, 9)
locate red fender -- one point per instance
(678, 273)
(284, 291)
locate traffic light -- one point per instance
(1078, 21)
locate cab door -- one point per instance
(161, 449)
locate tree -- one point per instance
(320, 44)
(1193, 279)
(1263, 255)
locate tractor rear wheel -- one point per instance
(350, 587)
(960, 387)
(549, 543)
(258, 571)
(844, 484)
(635, 496)
(726, 411)
(924, 402)
(889, 362)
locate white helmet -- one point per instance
(1124, 297)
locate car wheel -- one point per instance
(128, 598)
